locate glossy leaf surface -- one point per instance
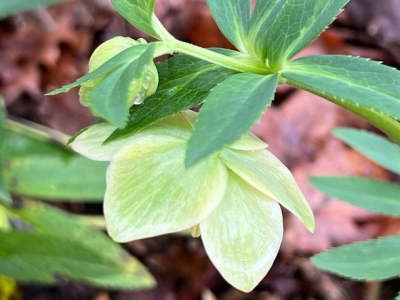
(184, 83)
(229, 112)
(282, 28)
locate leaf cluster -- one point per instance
(374, 259)
(40, 243)
(236, 87)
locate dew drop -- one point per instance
(139, 98)
(147, 81)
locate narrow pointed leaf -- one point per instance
(150, 192)
(110, 98)
(362, 82)
(138, 12)
(243, 235)
(90, 142)
(266, 173)
(114, 63)
(366, 88)
(375, 147)
(56, 178)
(377, 196)
(372, 260)
(9, 8)
(58, 244)
(233, 18)
(229, 112)
(282, 28)
(184, 83)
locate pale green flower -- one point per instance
(139, 88)
(233, 196)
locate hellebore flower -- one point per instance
(232, 197)
(139, 88)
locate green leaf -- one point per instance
(62, 245)
(9, 8)
(229, 112)
(109, 99)
(364, 87)
(377, 196)
(184, 82)
(124, 57)
(55, 178)
(375, 147)
(233, 18)
(20, 145)
(139, 13)
(398, 297)
(282, 28)
(5, 197)
(372, 260)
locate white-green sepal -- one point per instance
(150, 192)
(91, 144)
(243, 235)
(266, 173)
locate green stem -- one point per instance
(234, 63)
(171, 44)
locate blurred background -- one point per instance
(46, 48)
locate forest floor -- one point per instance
(47, 48)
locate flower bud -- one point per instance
(140, 88)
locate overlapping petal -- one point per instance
(266, 173)
(90, 142)
(242, 236)
(150, 192)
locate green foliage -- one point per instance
(377, 196)
(375, 259)
(4, 194)
(375, 147)
(60, 245)
(55, 178)
(361, 83)
(139, 13)
(9, 8)
(229, 112)
(123, 58)
(233, 18)
(184, 83)
(42, 169)
(109, 100)
(372, 260)
(282, 28)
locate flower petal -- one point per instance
(266, 173)
(150, 192)
(242, 236)
(90, 142)
(249, 142)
